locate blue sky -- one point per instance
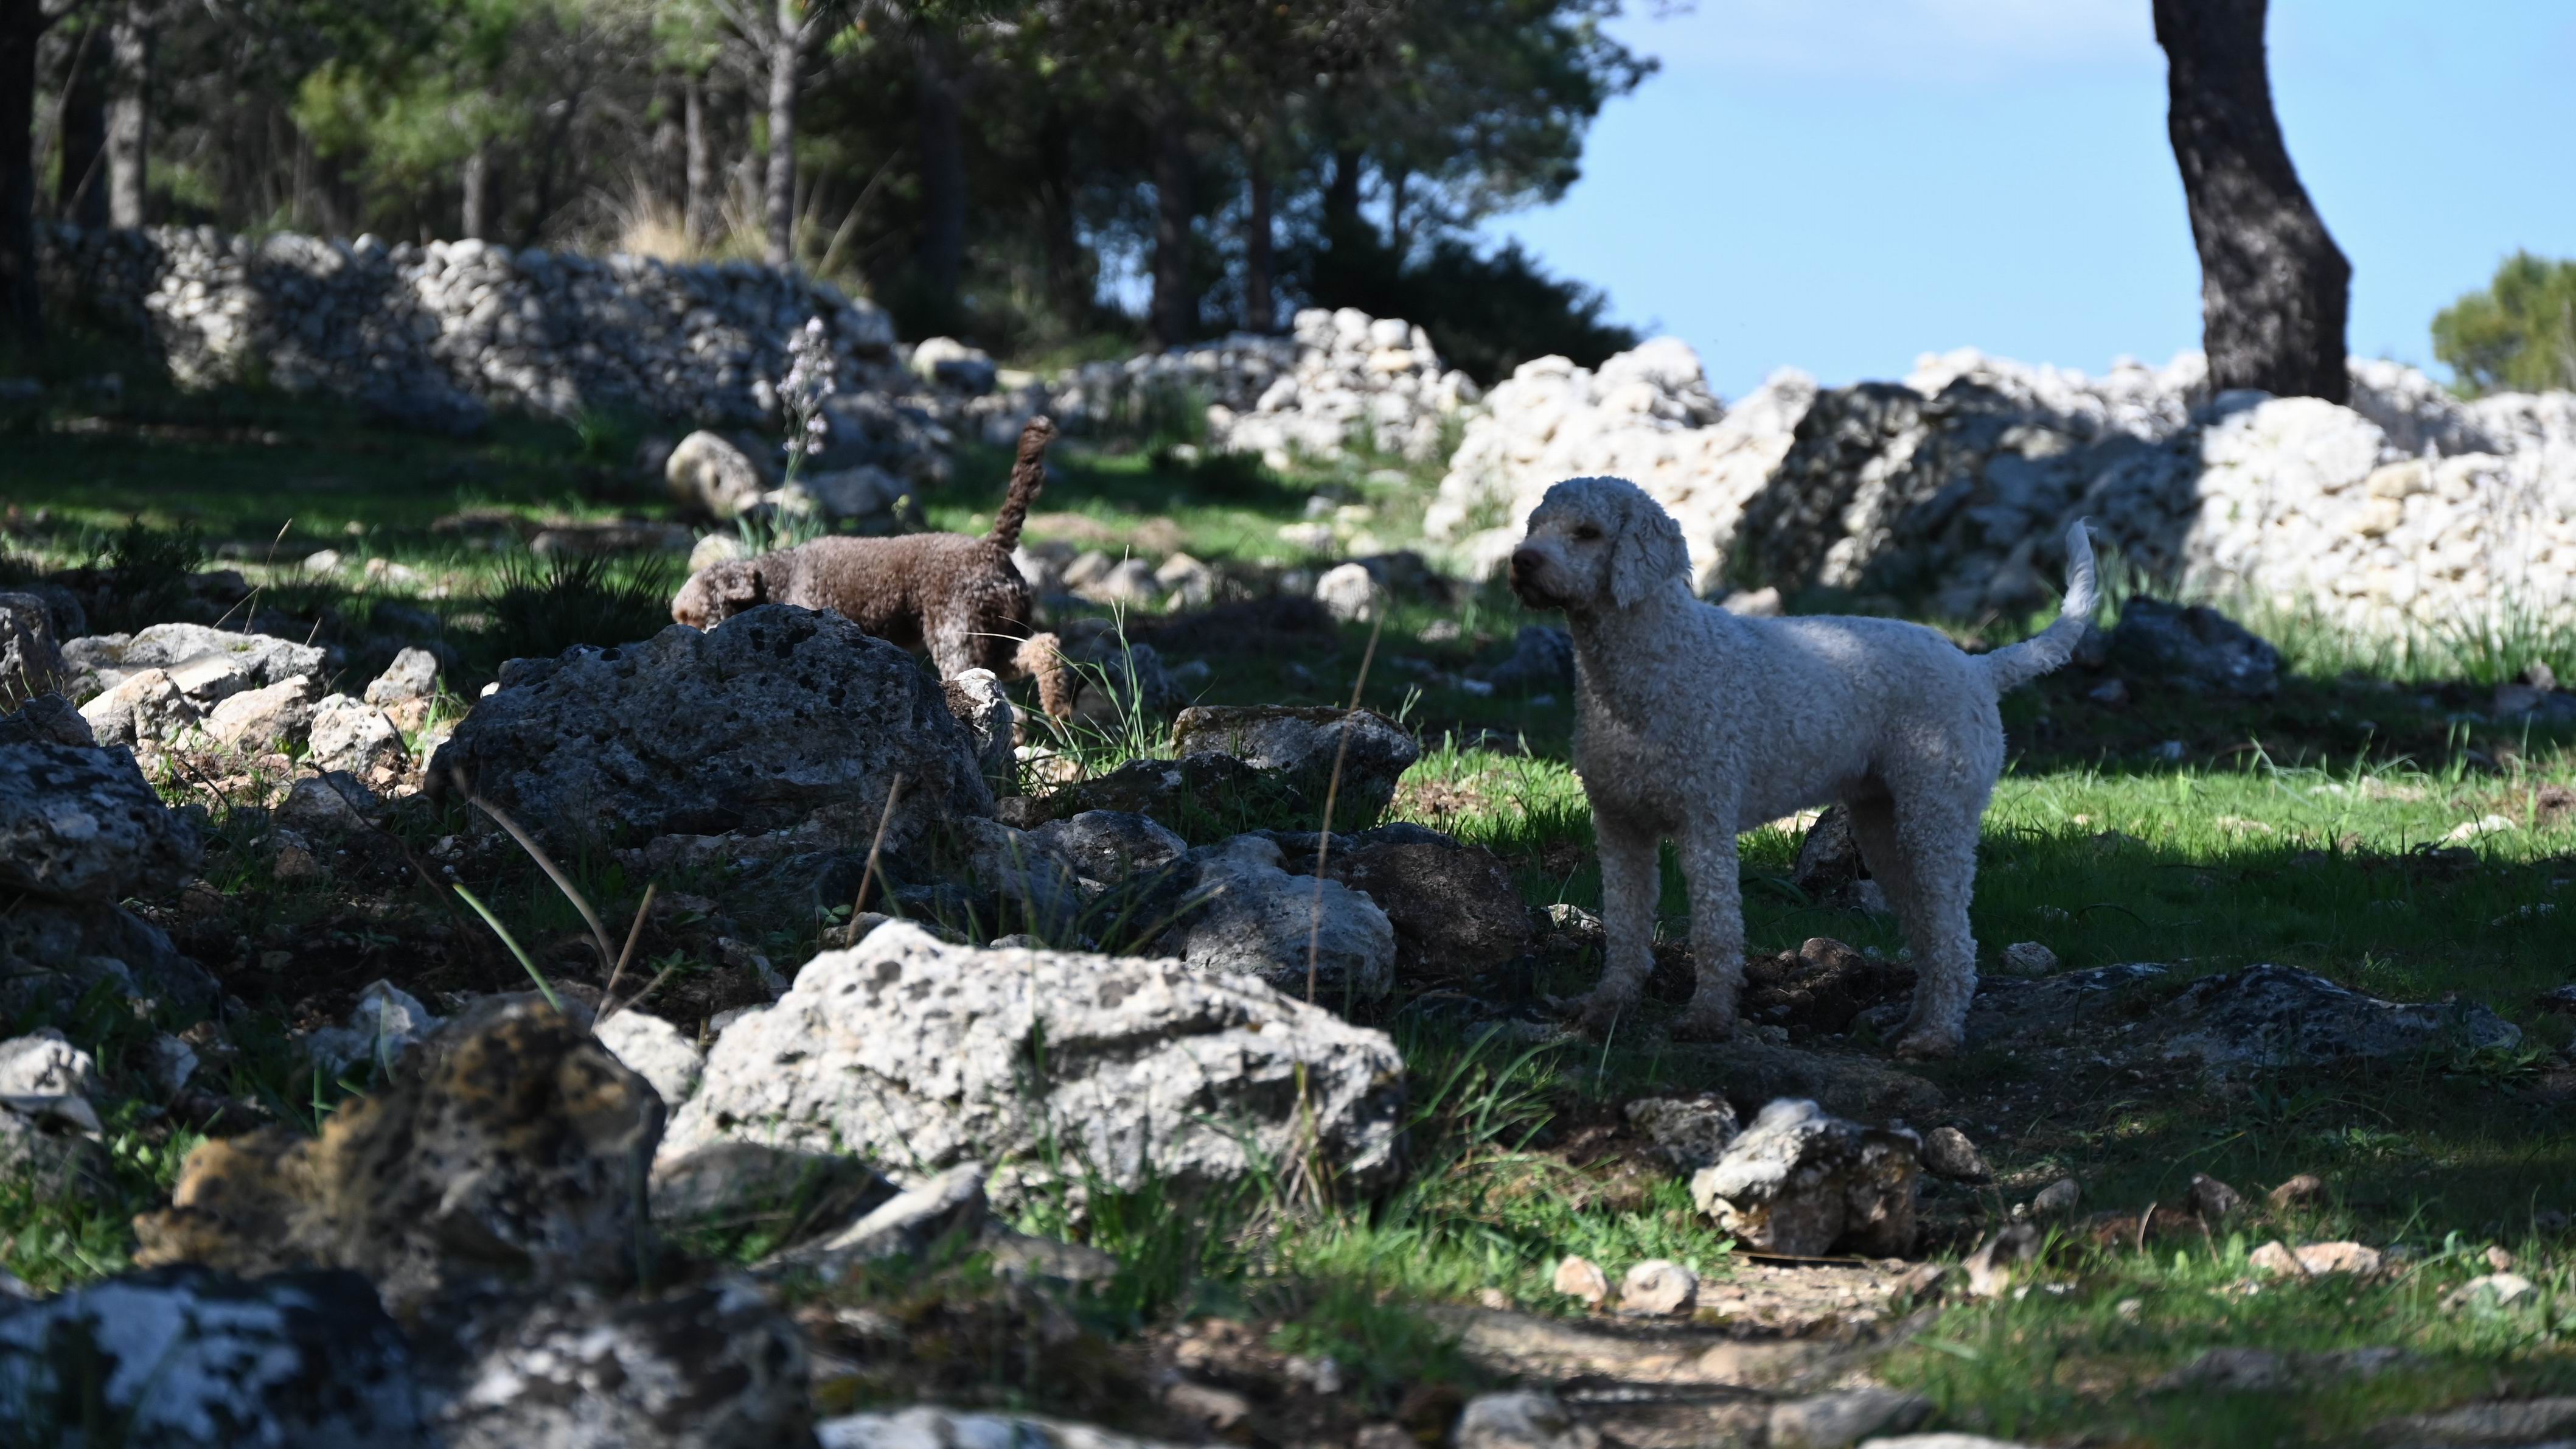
(1842, 184)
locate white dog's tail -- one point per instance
(2012, 667)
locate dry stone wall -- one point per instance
(435, 335)
(2408, 508)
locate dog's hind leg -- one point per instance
(1631, 884)
(1716, 925)
(1929, 851)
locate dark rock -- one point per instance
(512, 1149)
(1542, 660)
(55, 951)
(777, 717)
(47, 719)
(83, 825)
(1821, 986)
(1829, 862)
(1245, 914)
(2196, 647)
(1109, 846)
(187, 1358)
(711, 1365)
(1303, 748)
(1454, 908)
(31, 658)
(1189, 793)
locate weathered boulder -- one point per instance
(1454, 908)
(712, 1365)
(1522, 1419)
(205, 664)
(189, 1358)
(1303, 747)
(1256, 919)
(951, 363)
(264, 718)
(1686, 1133)
(141, 707)
(778, 717)
(1109, 846)
(927, 1427)
(2195, 647)
(707, 472)
(655, 1050)
(56, 950)
(47, 719)
(920, 1055)
(48, 1126)
(83, 825)
(386, 1022)
(351, 735)
(1348, 592)
(976, 699)
(511, 1149)
(1801, 1182)
(413, 674)
(31, 661)
(1035, 889)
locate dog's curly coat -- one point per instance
(959, 597)
(1694, 724)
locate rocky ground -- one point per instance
(619, 1055)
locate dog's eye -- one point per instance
(1588, 534)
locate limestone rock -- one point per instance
(1686, 1133)
(47, 719)
(707, 472)
(1348, 593)
(2273, 1016)
(386, 1022)
(1657, 1286)
(205, 664)
(1038, 890)
(353, 736)
(511, 1148)
(919, 1055)
(188, 1358)
(1947, 1152)
(712, 1365)
(656, 1051)
(413, 674)
(975, 697)
(1800, 1182)
(1109, 846)
(2316, 1260)
(1256, 919)
(779, 717)
(264, 718)
(1582, 1278)
(1522, 1419)
(1845, 1417)
(83, 825)
(925, 1427)
(31, 661)
(141, 707)
(1300, 747)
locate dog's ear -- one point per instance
(741, 586)
(1645, 553)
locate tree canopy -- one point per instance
(2518, 334)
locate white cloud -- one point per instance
(1909, 41)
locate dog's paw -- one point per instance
(1599, 1013)
(1924, 1044)
(1705, 1023)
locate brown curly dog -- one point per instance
(958, 597)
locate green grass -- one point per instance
(2307, 830)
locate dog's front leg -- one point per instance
(1630, 886)
(1716, 926)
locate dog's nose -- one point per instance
(1523, 561)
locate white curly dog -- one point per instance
(1694, 724)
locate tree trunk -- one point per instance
(129, 118)
(1395, 238)
(2273, 286)
(697, 205)
(778, 193)
(1175, 307)
(22, 26)
(938, 119)
(1260, 313)
(1342, 195)
(80, 185)
(476, 220)
(1069, 283)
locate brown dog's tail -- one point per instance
(1041, 657)
(1028, 475)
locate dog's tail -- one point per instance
(1028, 475)
(2012, 667)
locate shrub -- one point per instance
(2518, 334)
